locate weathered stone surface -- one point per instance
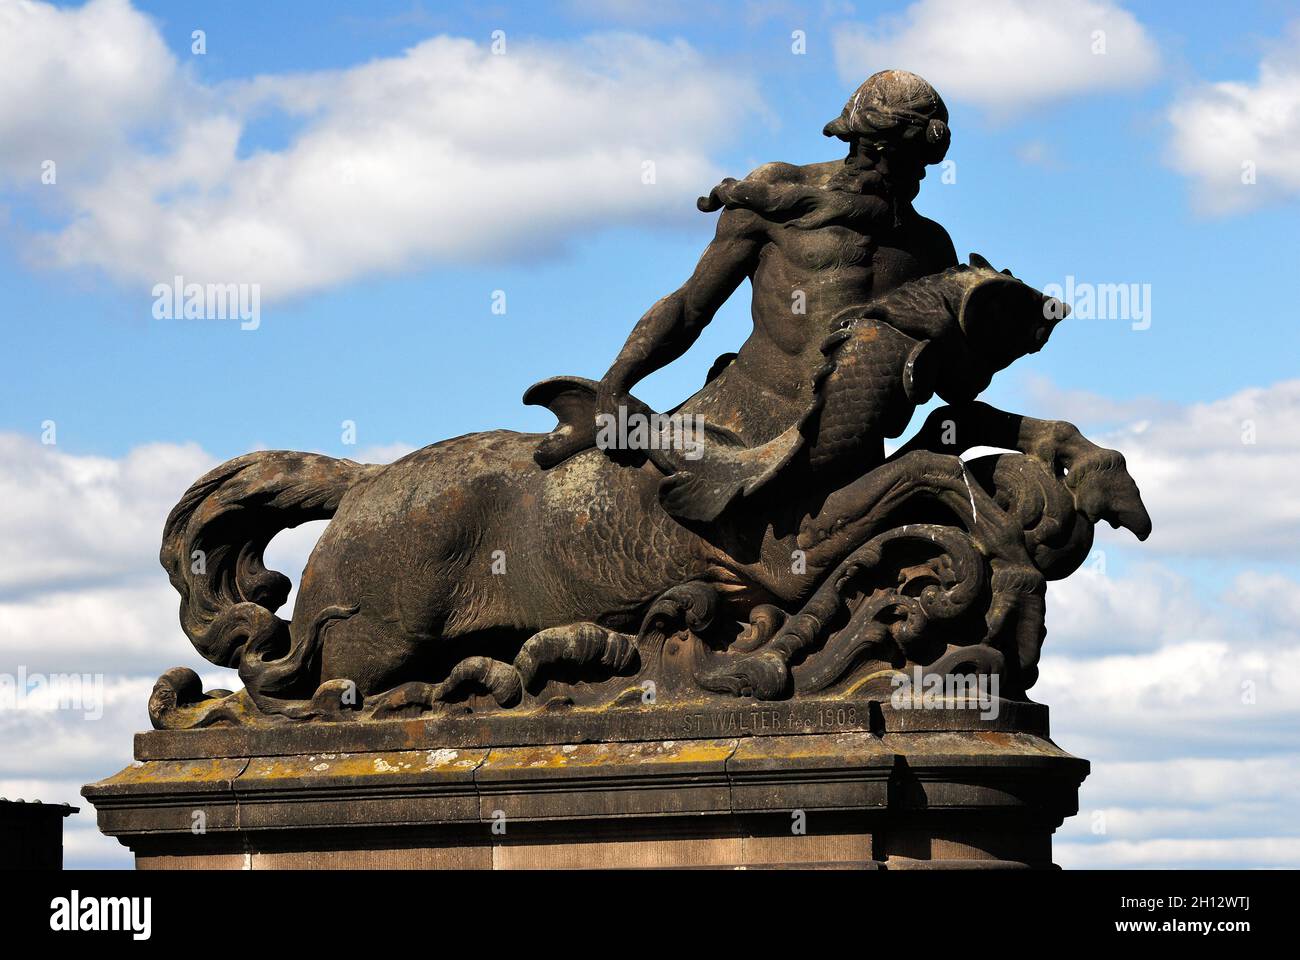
(851, 770)
(863, 800)
(648, 638)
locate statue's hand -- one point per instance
(611, 394)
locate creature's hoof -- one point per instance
(408, 700)
(576, 644)
(501, 680)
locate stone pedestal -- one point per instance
(760, 785)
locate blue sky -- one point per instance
(1122, 167)
(1103, 204)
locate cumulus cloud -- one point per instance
(74, 520)
(1184, 812)
(1183, 854)
(1196, 782)
(446, 153)
(1156, 605)
(1223, 697)
(113, 627)
(73, 740)
(87, 618)
(80, 586)
(1240, 142)
(1183, 701)
(47, 753)
(79, 81)
(1005, 55)
(1093, 409)
(1271, 598)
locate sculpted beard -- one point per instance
(859, 174)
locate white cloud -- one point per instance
(48, 754)
(76, 520)
(72, 740)
(81, 593)
(1184, 854)
(1176, 678)
(81, 589)
(1226, 134)
(105, 628)
(1191, 729)
(78, 81)
(1190, 782)
(383, 453)
(1004, 55)
(1092, 409)
(1184, 812)
(1271, 598)
(446, 153)
(1217, 695)
(1094, 612)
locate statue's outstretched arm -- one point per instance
(958, 427)
(671, 326)
(1097, 477)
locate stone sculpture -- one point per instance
(754, 542)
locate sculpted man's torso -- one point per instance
(803, 279)
(814, 241)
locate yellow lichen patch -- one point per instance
(386, 763)
(176, 771)
(610, 754)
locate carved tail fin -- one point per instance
(214, 538)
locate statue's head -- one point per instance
(898, 123)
